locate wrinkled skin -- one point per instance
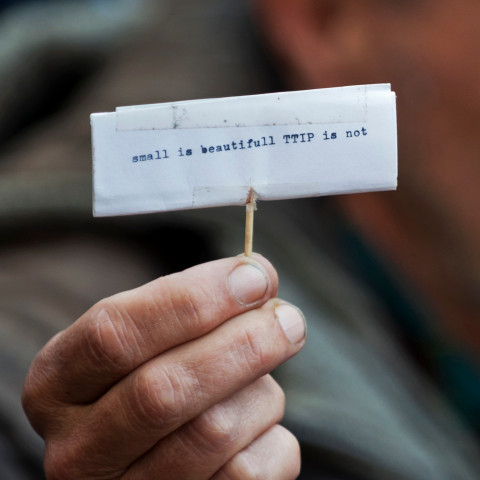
(170, 380)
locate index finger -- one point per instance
(122, 332)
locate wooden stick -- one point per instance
(251, 207)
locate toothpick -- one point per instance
(251, 207)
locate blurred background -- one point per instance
(355, 398)
(60, 61)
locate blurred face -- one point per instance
(430, 51)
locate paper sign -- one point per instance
(206, 153)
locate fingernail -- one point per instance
(292, 322)
(248, 283)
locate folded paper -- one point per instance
(206, 153)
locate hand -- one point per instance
(169, 381)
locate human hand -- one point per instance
(170, 381)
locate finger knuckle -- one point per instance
(183, 304)
(216, 430)
(276, 397)
(297, 462)
(30, 393)
(246, 470)
(296, 457)
(257, 355)
(158, 397)
(105, 336)
(37, 398)
(292, 455)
